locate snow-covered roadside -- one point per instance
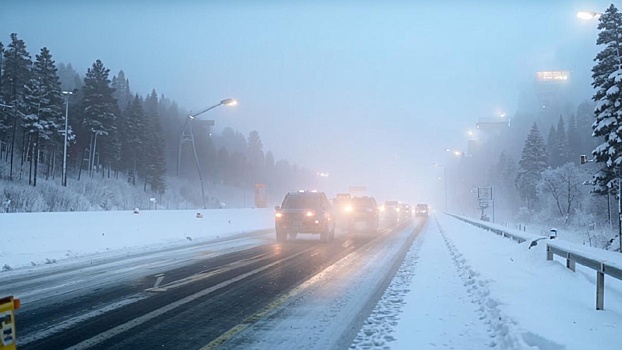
(44, 238)
(462, 287)
(428, 303)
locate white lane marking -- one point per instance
(59, 327)
(156, 313)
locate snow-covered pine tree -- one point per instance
(1, 62)
(122, 92)
(154, 146)
(607, 80)
(551, 146)
(99, 112)
(44, 118)
(133, 133)
(17, 72)
(562, 145)
(533, 162)
(575, 147)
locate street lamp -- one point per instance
(445, 179)
(188, 136)
(67, 94)
(455, 152)
(588, 15)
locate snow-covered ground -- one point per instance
(459, 287)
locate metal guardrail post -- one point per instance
(570, 263)
(600, 288)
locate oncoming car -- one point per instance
(305, 212)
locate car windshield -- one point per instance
(363, 202)
(302, 202)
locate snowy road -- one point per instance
(438, 283)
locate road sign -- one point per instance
(261, 195)
(7, 322)
(484, 193)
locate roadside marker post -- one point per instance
(8, 305)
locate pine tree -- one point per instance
(551, 146)
(256, 156)
(154, 146)
(44, 120)
(99, 115)
(17, 72)
(133, 135)
(1, 64)
(533, 162)
(69, 79)
(607, 80)
(562, 146)
(122, 92)
(575, 147)
(269, 168)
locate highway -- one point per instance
(194, 297)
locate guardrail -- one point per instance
(564, 250)
(500, 232)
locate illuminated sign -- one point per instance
(553, 75)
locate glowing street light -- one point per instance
(587, 15)
(188, 136)
(455, 152)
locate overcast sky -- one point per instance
(372, 92)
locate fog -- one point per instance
(370, 92)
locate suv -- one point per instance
(391, 212)
(305, 212)
(365, 210)
(422, 210)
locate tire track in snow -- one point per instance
(377, 329)
(500, 328)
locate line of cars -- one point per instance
(312, 212)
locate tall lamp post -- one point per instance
(188, 136)
(445, 180)
(66, 94)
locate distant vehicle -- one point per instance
(422, 210)
(406, 211)
(342, 208)
(364, 210)
(305, 212)
(391, 212)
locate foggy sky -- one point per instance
(372, 92)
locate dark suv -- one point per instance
(363, 210)
(305, 212)
(422, 210)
